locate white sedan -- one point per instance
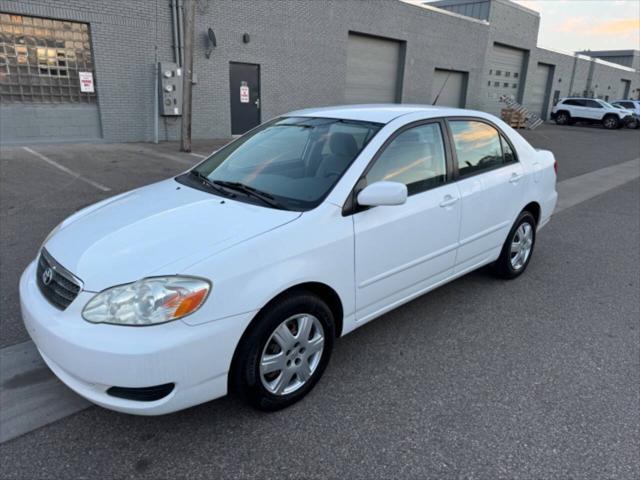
(241, 272)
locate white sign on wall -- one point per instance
(86, 82)
(244, 94)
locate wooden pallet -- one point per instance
(514, 118)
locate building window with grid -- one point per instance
(41, 60)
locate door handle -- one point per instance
(447, 201)
(257, 102)
(515, 177)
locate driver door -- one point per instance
(402, 250)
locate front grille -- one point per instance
(62, 287)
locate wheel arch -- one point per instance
(535, 210)
(322, 290)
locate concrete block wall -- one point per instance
(301, 48)
(33, 123)
(123, 36)
(512, 25)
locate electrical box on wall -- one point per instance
(170, 89)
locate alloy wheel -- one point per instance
(521, 246)
(292, 354)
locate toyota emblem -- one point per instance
(47, 276)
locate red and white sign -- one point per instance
(244, 94)
(86, 82)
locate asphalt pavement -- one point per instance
(481, 378)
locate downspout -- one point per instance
(174, 19)
(180, 32)
(573, 74)
(592, 67)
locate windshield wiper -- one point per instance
(208, 183)
(265, 197)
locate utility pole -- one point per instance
(189, 28)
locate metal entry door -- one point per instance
(244, 87)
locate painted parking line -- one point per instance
(32, 397)
(156, 153)
(197, 155)
(66, 170)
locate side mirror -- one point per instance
(383, 193)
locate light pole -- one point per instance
(189, 21)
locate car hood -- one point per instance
(144, 231)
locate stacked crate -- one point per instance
(514, 118)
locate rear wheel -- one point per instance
(610, 122)
(518, 247)
(285, 353)
(563, 118)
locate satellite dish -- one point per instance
(212, 42)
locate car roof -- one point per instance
(580, 98)
(382, 112)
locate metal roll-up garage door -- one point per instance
(373, 66)
(449, 87)
(505, 76)
(540, 90)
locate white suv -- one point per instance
(590, 110)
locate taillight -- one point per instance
(555, 165)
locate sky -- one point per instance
(573, 25)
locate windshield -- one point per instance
(292, 161)
(606, 104)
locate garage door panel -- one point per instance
(372, 69)
(449, 88)
(539, 94)
(504, 76)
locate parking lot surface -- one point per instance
(481, 378)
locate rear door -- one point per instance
(577, 108)
(404, 249)
(490, 180)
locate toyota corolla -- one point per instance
(241, 272)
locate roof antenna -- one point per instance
(442, 88)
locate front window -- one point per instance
(415, 157)
(292, 161)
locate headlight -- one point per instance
(148, 301)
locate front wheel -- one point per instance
(518, 247)
(285, 352)
(563, 118)
(610, 122)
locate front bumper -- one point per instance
(91, 358)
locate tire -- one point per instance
(563, 118)
(610, 122)
(524, 227)
(264, 359)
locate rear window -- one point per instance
(574, 102)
